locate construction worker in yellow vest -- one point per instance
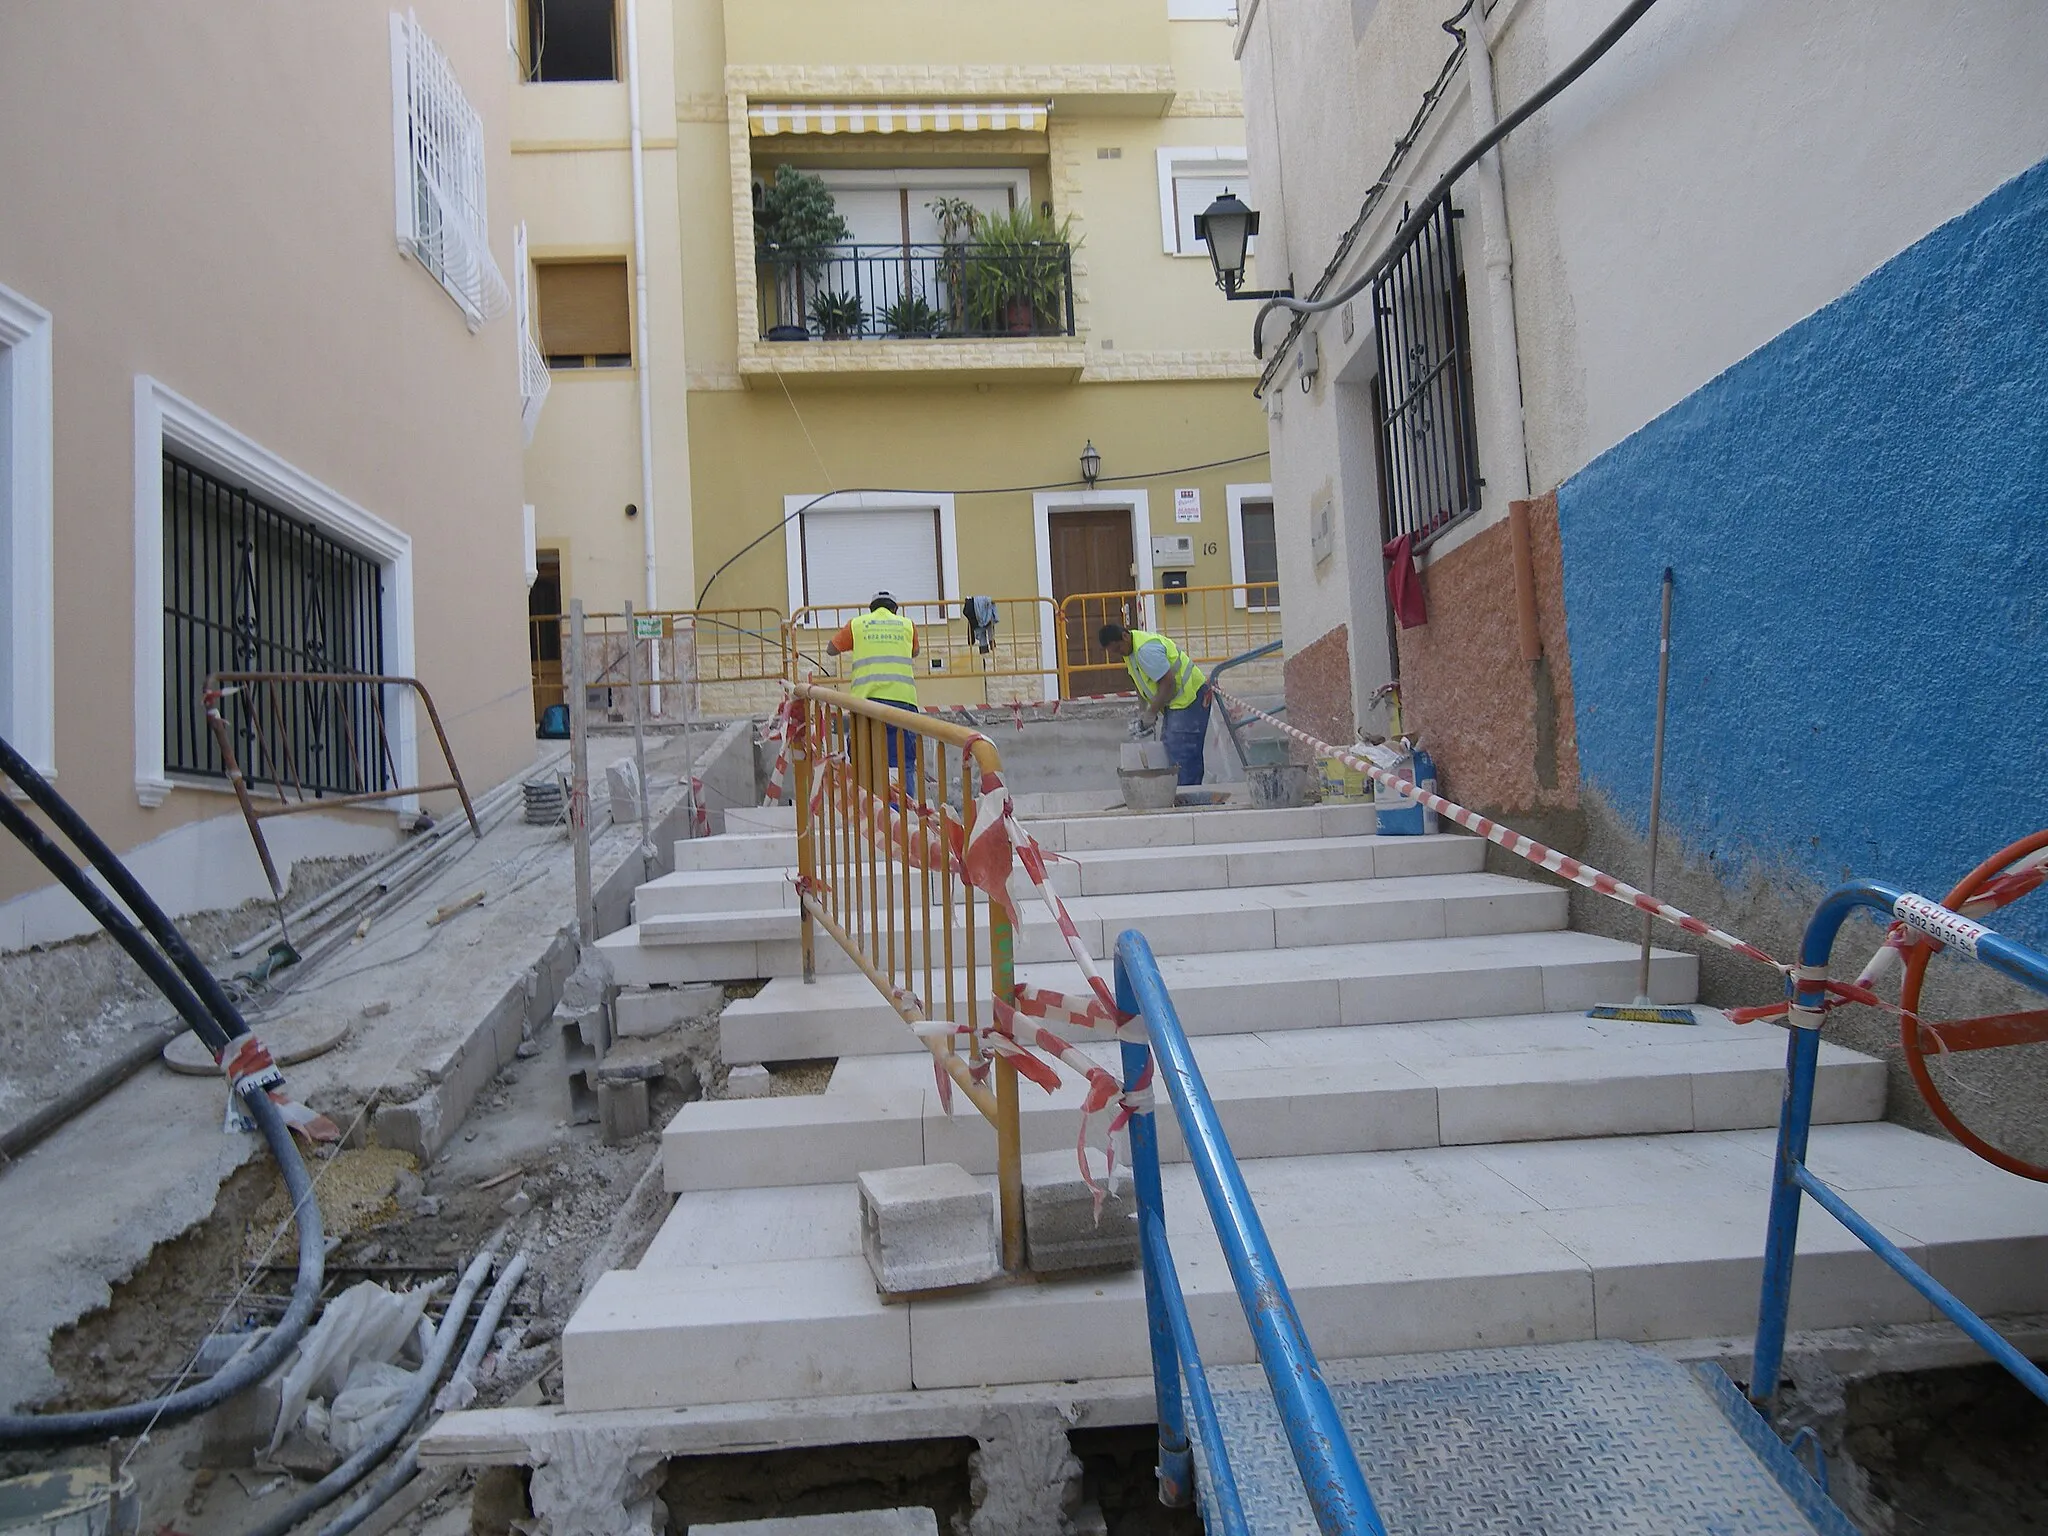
(1172, 694)
(882, 643)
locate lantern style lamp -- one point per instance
(1091, 463)
(1226, 226)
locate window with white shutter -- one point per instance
(438, 161)
(1190, 179)
(849, 555)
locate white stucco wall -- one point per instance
(1730, 167)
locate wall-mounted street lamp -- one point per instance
(1226, 226)
(1091, 463)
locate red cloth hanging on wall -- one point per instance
(1404, 583)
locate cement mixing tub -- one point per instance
(79, 1501)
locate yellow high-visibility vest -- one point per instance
(882, 668)
(1185, 677)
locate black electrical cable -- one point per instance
(126, 886)
(21, 1431)
(35, 1431)
(110, 917)
(986, 490)
(1438, 194)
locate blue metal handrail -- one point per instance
(1322, 1449)
(1793, 1178)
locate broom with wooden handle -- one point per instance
(1642, 1010)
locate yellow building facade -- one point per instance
(936, 385)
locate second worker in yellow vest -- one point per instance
(883, 645)
(1172, 691)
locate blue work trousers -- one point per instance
(1184, 732)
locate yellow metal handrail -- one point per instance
(1211, 624)
(1026, 633)
(881, 868)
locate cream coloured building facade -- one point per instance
(259, 409)
(1116, 122)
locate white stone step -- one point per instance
(1198, 827)
(749, 1295)
(1226, 992)
(715, 890)
(761, 818)
(737, 851)
(1176, 922)
(1358, 1088)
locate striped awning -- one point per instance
(769, 118)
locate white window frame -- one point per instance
(438, 136)
(1234, 498)
(794, 508)
(28, 606)
(1043, 505)
(167, 421)
(1016, 179)
(1190, 159)
(1201, 10)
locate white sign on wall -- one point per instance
(1187, 505)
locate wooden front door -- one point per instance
(1091, 553)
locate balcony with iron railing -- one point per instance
(964, 307)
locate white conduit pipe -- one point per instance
(1504, 383)
(642, 361)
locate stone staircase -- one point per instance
(1446, 1152)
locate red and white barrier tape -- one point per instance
(247, 1063)
(985, 855)
(1574, 870)
(2004, 888)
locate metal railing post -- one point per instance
(1176, 1460)
(639, 736)
(579, 769)
(1795, 1120)
(801, 752)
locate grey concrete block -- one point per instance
(641, 1011)
(927, 1227)
(586, 1033)
(748, 1082)
(622, 783)
(622, 1110)
(232, 1434)
(582, 1096)
(1061, 1230)
(866, 1522)
(414, 1126)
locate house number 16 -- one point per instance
(1209, 548)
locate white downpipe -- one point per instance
(1497, 256)
(642, 359)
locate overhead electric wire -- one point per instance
(985, 490)
(1412, 225)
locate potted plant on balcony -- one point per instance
(796, 223)
(911, 315)
(839, 315)
(956, 218)
(1016, 273)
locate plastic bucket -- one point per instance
(78, 1501)
(1148, 789)
(1278, 784)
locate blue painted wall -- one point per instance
(1858, 517)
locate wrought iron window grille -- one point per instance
(1428, 434)
(248, 588)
